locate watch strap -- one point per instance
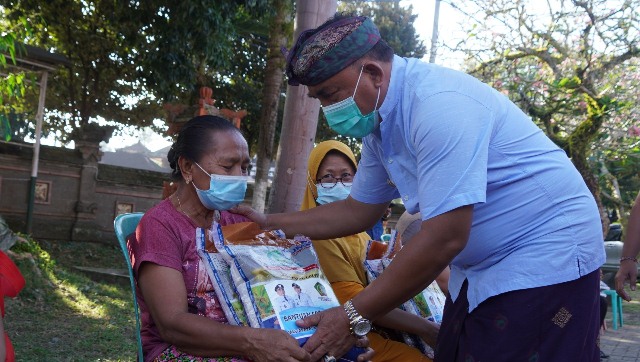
(353, 315)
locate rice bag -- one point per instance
(220, 275)
(279, 280)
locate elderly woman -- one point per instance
(331, 169)
(181, 316)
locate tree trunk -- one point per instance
(270, 98)
(579, 143)
(300, 122)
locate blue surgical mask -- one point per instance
(224, 192)
(346, 118)
(335, 193)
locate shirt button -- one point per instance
(390, 161)
(406, 197)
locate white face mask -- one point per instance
(335, 193)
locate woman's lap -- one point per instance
(172, 353)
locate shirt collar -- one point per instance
(395, 87)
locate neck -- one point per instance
(189, 205)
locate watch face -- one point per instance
(361, 328)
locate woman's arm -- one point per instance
(165, 294)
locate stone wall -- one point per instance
(83, 196)
(79, 197)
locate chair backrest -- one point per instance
(124, 225)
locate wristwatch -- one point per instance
(359, 325)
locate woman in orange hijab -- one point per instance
(331, 169)
(11, 282)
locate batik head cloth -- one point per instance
(320, 53)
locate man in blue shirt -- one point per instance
(500, 203)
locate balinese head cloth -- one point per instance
(320, 53)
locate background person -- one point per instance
(331, 168)
(474, 165)
(408, 226)
(628, 271)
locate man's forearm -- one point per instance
(340, 218)
(418, 264)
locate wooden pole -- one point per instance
(299, 123)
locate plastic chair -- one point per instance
(616, 307)
(125, 225)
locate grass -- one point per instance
(63, 315)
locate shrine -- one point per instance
(179, 114)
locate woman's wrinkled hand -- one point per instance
(255, 216)
(274, 345)
(369, 353)
(627, 274)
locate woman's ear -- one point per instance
(186, 169)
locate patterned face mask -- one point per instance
(224, 192)
(346, 118)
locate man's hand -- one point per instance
(627, 274)
(255, 216)
(332, 337)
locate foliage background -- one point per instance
(572, 65)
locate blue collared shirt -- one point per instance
(447, 140)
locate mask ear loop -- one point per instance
(377, 99)
(358, 82)
(311, 184)
(355, 90)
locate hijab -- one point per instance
(315, 159)
(340, 258)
